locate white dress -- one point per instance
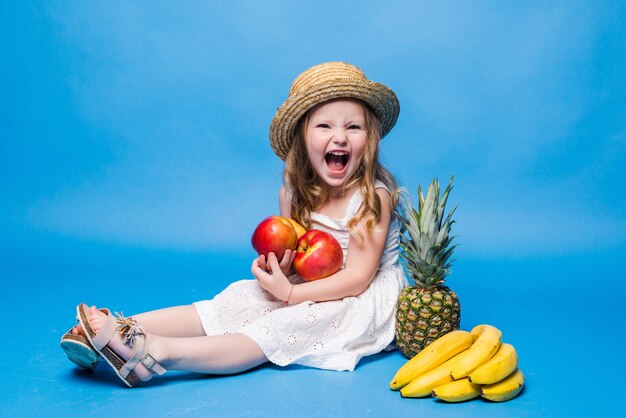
(331, 335)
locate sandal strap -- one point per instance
(105, 334)
(140, 343)
(139, 355)
(152, 365)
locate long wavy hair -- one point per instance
(304, 184)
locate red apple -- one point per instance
(275, 234)
(318, 255)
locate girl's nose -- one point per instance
(340, 136)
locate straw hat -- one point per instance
(323, 82)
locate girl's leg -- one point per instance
(177, 321)
(221, 354)
(216, 354)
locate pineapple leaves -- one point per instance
(425, 241)
(428, 211)
(444, 200)
(425, 246)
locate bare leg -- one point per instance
(222, 354)
(177, 321)
(218, 354)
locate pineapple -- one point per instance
(428, 309)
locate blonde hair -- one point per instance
(303, 182)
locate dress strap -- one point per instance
(380, 185)
(354, 204)
(357, 199)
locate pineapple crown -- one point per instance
(425, 238)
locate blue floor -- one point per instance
(562, 314)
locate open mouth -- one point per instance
(337, 160)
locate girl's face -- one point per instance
(335, 139)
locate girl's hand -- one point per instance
(272, 279)
(285, 264)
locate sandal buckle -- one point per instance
(148, 361)
(152, 365)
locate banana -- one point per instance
(457, 391)
(505, 389)
(502, 364)
(423, 385)
(487, 343)
(431, 356)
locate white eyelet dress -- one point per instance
(331, 335)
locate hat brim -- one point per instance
(379, 97)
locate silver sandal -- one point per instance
(133, 335)
(79, 350)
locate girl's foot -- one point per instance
(77, 330)
(97, 320)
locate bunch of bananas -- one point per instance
(463, 365)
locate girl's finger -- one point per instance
(262, 263)
(256, 269)
(285, 261)
(273, 261)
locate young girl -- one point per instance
(327, 132)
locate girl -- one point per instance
(327, 132)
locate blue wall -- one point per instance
(145, 124)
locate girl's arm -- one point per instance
(361, 265)
(284, 202)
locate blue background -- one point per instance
(135, 164)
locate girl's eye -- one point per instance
(354, 127)
(323, 125)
